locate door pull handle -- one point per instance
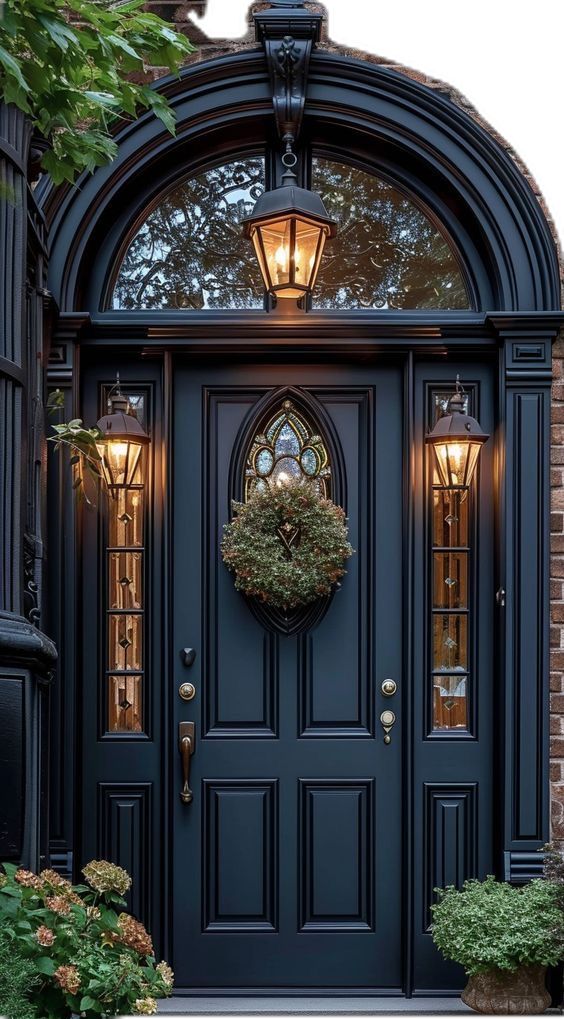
(186, 746)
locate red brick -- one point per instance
(555, 771)
(557, 704)
(557, 564)
(557, 612)
(558, 391)
(556, 588)
(557, 661)
(555, 636)
(556, 682)
(557, 752)
(556, 725)
(557, 413)
(557, 455)
(556, 474)
(557, 543)
(557, 522)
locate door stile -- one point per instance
(408, 680)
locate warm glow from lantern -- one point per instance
(289, 252)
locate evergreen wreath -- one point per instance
(286, 545)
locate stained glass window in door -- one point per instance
(288, 447)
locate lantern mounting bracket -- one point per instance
(288, 33)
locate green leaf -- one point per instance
(87, 1003)
(45, 965)
(12, 67)
(59, 31)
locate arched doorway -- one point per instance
(308, 857)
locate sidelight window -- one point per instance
(450, 602)
(125, 561)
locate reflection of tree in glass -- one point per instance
(190, 251)
(386, 254)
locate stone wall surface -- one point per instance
(180, 14)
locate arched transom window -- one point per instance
(190, 253)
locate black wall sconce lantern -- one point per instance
(289, 225)
(456, 440)
(121, 443)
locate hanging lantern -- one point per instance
(121, 443)
(289, 228)
(456, 440)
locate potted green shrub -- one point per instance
(504, 937)
(71, 949)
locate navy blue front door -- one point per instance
(287, 862)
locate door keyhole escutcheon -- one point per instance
(387, 720)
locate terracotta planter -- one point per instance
(499, 992)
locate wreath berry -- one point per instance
(286, 545)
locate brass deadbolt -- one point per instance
(389, 687)
(187, 691)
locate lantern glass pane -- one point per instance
(307, 239)
(276, 241)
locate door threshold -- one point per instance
(272, 1005)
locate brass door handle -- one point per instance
(186, 746)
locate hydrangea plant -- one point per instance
(78, 950)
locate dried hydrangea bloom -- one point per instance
(45, 936)
(28, 880)
(145, 1006)
(60, 886)
(58, 904)
(3, 880)
(93, 913)
(107, 877)
(166, 975)
(68, 979)
(133, 934)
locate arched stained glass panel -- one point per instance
(289, 447)
(387, 252)
(190, 251)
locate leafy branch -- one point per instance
(81, 442)
(68, 65)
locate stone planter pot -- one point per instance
(499, 992)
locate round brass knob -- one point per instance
(389, 687)
(187, 691)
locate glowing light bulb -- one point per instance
(281, 257)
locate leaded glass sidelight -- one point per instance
(387, 253)
(450, 599)
(125, 565)
(288, 447)
(190, 253)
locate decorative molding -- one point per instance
(450, 838)
(520, 867)
(288, 35)
(336, 813)
(125, 819)
(240, 853)
(24, 646)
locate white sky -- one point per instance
(506, 56)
